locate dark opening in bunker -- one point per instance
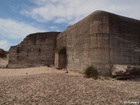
(61, 58)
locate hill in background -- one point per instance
(3, 54)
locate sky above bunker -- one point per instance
(18, 18)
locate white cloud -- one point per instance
(71, 11)
(4, 44)
(12, 29)
(60, 20)
(55, 28)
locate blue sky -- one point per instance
(18, 18)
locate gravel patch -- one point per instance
(63, 89)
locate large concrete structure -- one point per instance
(101, 39)
(35, 50)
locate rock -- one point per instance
(118, 70)
(124, 77)
(133, 70)
(125, 71)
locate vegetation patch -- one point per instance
(91, 72)
(61, 49)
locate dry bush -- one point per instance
(91, 72)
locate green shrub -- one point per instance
(91, 72)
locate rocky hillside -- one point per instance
(3, 54)
(3, 58)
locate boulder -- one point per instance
(118, 70)
(125, 71)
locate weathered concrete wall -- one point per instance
(124, 40)
(35, 50)
(101, 39)
(87, 43)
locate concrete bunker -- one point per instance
(36, 49)
(101, 39)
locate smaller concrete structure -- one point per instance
(35, 50)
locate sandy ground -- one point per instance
(32, 71)
(48, 86)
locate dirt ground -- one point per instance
(49, 86)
